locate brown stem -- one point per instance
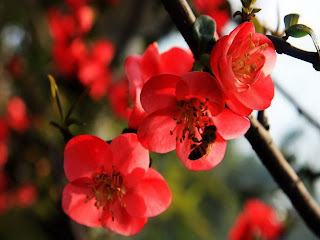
(259, 138)
(282, 46)
(284, 175)
(183, 17)
(299, 108)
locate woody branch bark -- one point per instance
(258, 137)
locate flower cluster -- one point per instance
(187, 111)
(16, 119)
(172, 108)
(139, 69)
(256, 221)
(72, 55)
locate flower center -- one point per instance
(107, 189)
(247, 62)
(194, 117)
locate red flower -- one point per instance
(65, 27)
(5, 201)
(180, 110)
(17, 114)
(256, 221)
(139, 69)
(4, 129)
(3, 155)
(16, 66)
(242, 63)
(62, 27)
(119, 98)
(76, 3)
(26, 195)
(93, 70)
(112, 185)
(217, 9)
(67, 56)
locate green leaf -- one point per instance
(197, 66)
(256, 10)
(298, 31)
(56, 96)
(204, 29)
(291, 19)
(246, 3)
(257, 25)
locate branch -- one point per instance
(284, 175)
(259, 138)
(282, 46)
(183, 17)
(310, 118)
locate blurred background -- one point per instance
(44, 37)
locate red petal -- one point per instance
(269, 53)
(103, 51)
(176, 61)
(75, 206)
(130, 158)
(259, 96)
(154, 132)
(236, 106)
(216, 55)
(99, 87)
(159, 92)
(208, 161)
(122, 223)
(84, 15)
(138, 114)
(231, 125)
(150, 62)
(238, 35)
(133, 72)
(201, 85)
(84, 155)
(149, 197)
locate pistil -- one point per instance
(247, 62)
(107, 189)
(194, 117)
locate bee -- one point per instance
(208, 138)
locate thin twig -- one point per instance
(307, 116)
(259, 138)
(282, 46)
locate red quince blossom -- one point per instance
(4, 129)
(17, 114)
(76, 3)
(119, 98)
(4, 152)
(25, 195)
(257, 221)
(16, 66)
(242, 62)
(93, 69)
(4, 135)
(219, 10)
(139, 69)
(65, 27)
(181, 109)
(67, 56)
(112, 185)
